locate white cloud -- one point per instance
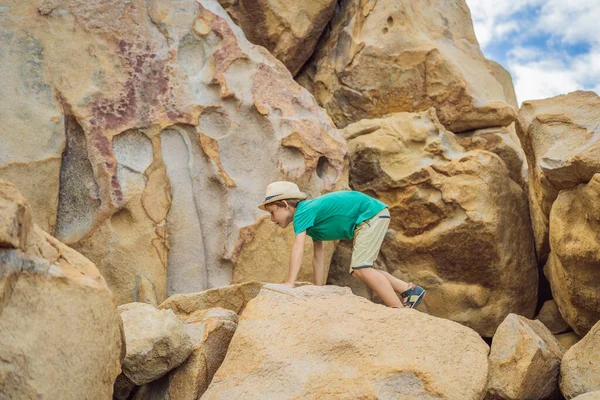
(540, 35)
(572, 21)
(553, 74)
(489, 16)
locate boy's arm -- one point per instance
(296, 259)
(318, 262)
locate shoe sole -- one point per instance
(416, 303)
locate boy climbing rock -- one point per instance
(340, 215)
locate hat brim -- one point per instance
(294, 196)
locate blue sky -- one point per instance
(550, 47)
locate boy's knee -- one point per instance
(359, 272)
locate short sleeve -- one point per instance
(303, 220)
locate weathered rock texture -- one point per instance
(172, 124)
(573, 267)
(550, 316)
(289, 29)
(460, 224)
(387, 56)
(156, 342)
(505, 143)
(60, 333)
(560, 137)
(267, 255)
(580, 368)
(323, 342)
(211, 331)
(567, 340)
(589, 396)
(232, 297)
(524, 361)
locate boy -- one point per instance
(333, 216)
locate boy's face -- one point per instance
(282, 216)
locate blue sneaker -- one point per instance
(413, 295)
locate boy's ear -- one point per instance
(286, 204)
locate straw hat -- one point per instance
(281, 191)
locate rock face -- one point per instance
(560, 137)
(354, 350)
(573, 267)
(288, 29)
(172, 125)
(460, 224)
(156, 342)
(524, 361)
(580, 368)
(387, 56)
(550, 316)
(60, 333)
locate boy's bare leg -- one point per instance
(399, 285)
(380, 284)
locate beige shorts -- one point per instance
(368, 237)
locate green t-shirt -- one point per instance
(335, 215)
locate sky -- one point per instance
(550, 47)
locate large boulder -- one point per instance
(211, 331)
(524, 361)
(387, 56)
(460, 225)
(580, 368)
(573, 267)
(170, 125)
(324, 342)
(156, 342)
(60, 332)
(560, 137)
(289, 29)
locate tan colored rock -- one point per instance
(15, 217)
(524, 361)
(505, 143)
(32, 133)
(589, 396)
(550, 316)
(323, 342)
(580, 367)
(267, 257)
(58, 319)
(567, 340)
(573, 267)
(232, 297)
(505, 79)
(288, 29)
(164, 125)
(211, 331)
(460, 224)
(388, 56)
(156, 342)
(560, 137)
